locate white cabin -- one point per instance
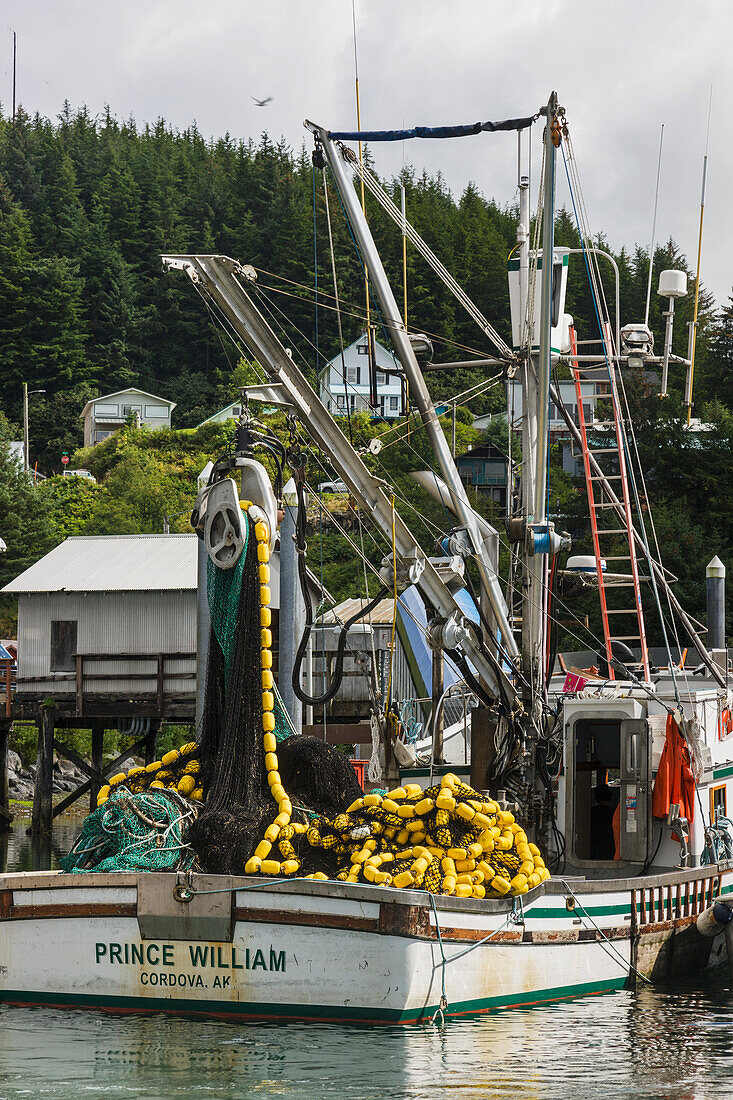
(231, 412)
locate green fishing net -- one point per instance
(134, 832)
(224, 589)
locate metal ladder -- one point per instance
(599, 506)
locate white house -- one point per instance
(339, 393)
(104, 415)
(231, 412)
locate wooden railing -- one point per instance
(655, 904)
(158, 676)
(6, 678)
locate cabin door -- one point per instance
(596, 788)
(634, 800)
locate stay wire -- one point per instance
(355, 312)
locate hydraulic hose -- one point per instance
(300, 542)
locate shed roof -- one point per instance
(113, 563)
(129, 563)
(381, 615)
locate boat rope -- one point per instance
(301, 546)
(618, 956)
(445, 960)
(390, 208)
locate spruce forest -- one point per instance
(87, 205)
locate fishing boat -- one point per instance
(619, 771)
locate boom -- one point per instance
(223, 281)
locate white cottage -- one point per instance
(104, 415)
(344, 382)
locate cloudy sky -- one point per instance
(621, 68)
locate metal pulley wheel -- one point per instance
(224, 529)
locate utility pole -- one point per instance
(26, 457)
(25, 401)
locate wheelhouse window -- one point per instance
(718, 803)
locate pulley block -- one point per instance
(224, 527)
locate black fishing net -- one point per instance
(230, 743)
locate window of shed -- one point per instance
(63, 645)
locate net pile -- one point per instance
(135, 832)
(448, 839)
(264, 802)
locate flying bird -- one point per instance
(261, 102)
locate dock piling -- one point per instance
(42, 797)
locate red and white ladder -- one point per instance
(631, 619)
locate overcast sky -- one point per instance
(621, 68)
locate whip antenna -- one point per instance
(654, 229)
(693, 327)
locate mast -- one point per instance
(420, 395)
(535, 442)
(15, 52)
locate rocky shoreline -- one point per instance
(22, 780)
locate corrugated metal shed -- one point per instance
(113, 563)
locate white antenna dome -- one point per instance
(672, 284)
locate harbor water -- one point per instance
(674, 1043)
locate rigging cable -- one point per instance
(338, 308)
(428, 255)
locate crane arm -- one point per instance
(223, 281)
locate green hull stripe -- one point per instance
(545, 913)
(334, 1013)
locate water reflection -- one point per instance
(673, 1044)
(21, 852)
(658, 1044)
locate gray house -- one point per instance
(344, 383)
(107, 626)
(484, 468)
(104, 415)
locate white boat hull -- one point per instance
(330, 951)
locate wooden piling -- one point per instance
(42, 797)
(482, 746)
(151, 741)
(97, 759)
